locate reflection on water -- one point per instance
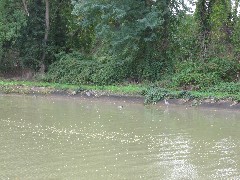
(67, 138)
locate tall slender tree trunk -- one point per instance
(235, 18)
(235, 11)
(25, 7)
(47, 28)
(203, 12)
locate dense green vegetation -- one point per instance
(111, 42)
(152, 94)
(15, 86)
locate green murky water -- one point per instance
(67, 138)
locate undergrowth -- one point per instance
(203, 74)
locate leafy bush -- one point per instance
(231, 88)
(150, 71)
(111, 72)
(155, 94)
(204, 74)
(75, 68)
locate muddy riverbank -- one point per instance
(109, 96)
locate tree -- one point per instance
(139, 32)
(216, 19)
(202, 15)
(47, 28)
(12, 19)
(38, 42)
(236, 31)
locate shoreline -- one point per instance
(90, 93)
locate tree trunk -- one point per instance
(235, 11)
(47, 28)
(25, 7)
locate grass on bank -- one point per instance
(152, 94)
(122, 89)
(155, 94)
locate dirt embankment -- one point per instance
(106, 95)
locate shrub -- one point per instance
(155, 94)
(76, 69)
(204, 74)
(230, 88)
(111, 72)
(150, 71)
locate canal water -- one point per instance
(76, 138)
